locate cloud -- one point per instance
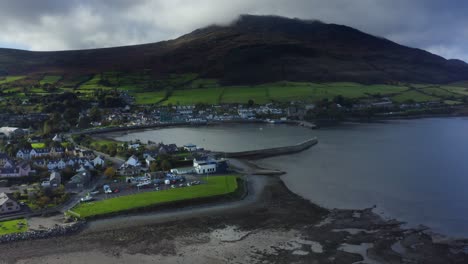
(435, 25)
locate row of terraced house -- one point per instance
(27, 154)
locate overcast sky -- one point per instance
(439, 26)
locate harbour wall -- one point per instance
(270, 152)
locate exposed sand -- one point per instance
(280, 228)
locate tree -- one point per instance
(71, 115)
(166, 165)
(109, 172)
(95, 114)
(84, 122)
(154, 166)
(42, 201)
(17, 195)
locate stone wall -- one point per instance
(270, 152)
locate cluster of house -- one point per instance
(11, 169)
(18, 119)
(189, 114)
(59, 158)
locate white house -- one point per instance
(148, 160)
(57, 138)
(204, 166)
(23, 154)
(11, 132)
(8, 205)
(190, 147)
(55, 179)
(134, 146)
(133, 161)
(98, 161)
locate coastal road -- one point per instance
(255, 187)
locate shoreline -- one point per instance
(270, 209)
(272, 223)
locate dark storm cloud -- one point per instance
(435, 25)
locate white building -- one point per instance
(204, 166)
(11, 132)
(132, 161)
(190, 147)
(98, 161)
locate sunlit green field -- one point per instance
(193, 96)
(216, 185)
(148, 97)
(13, 226)
(415, 96)
(280, 92)
(50, 79)
(8, 79)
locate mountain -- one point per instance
(255, 49)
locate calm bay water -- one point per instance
(412, 170)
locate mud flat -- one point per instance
(280, 227)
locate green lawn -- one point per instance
(13, 226)
(440, 92)
(414, 95)
(456, 89)
(149, 97)
(37, 145)
(93, 83)
(8, 79)
(42, 145)
(279, 91)
(97, 143)
(216, 185)
(193, 96)
(204, 83)
(451, 102)
(242, 94)
(50, 79)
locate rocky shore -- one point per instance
(280, 227)
(58, 230)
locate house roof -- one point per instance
(55, 175)
(3, 198)
(81, 177)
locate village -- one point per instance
(40, 175)
(52, 168)
(336, 110)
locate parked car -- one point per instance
(107, 189)
(87, 198)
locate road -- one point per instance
(255, 186)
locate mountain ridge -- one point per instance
(255, 49)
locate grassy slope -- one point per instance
(188, 89)
(8, 79)
(281, 92)
(10, 227)
(217, 185)
(50, 79)
(414, 95)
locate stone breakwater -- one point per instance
(270, 152)
(41, 234)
